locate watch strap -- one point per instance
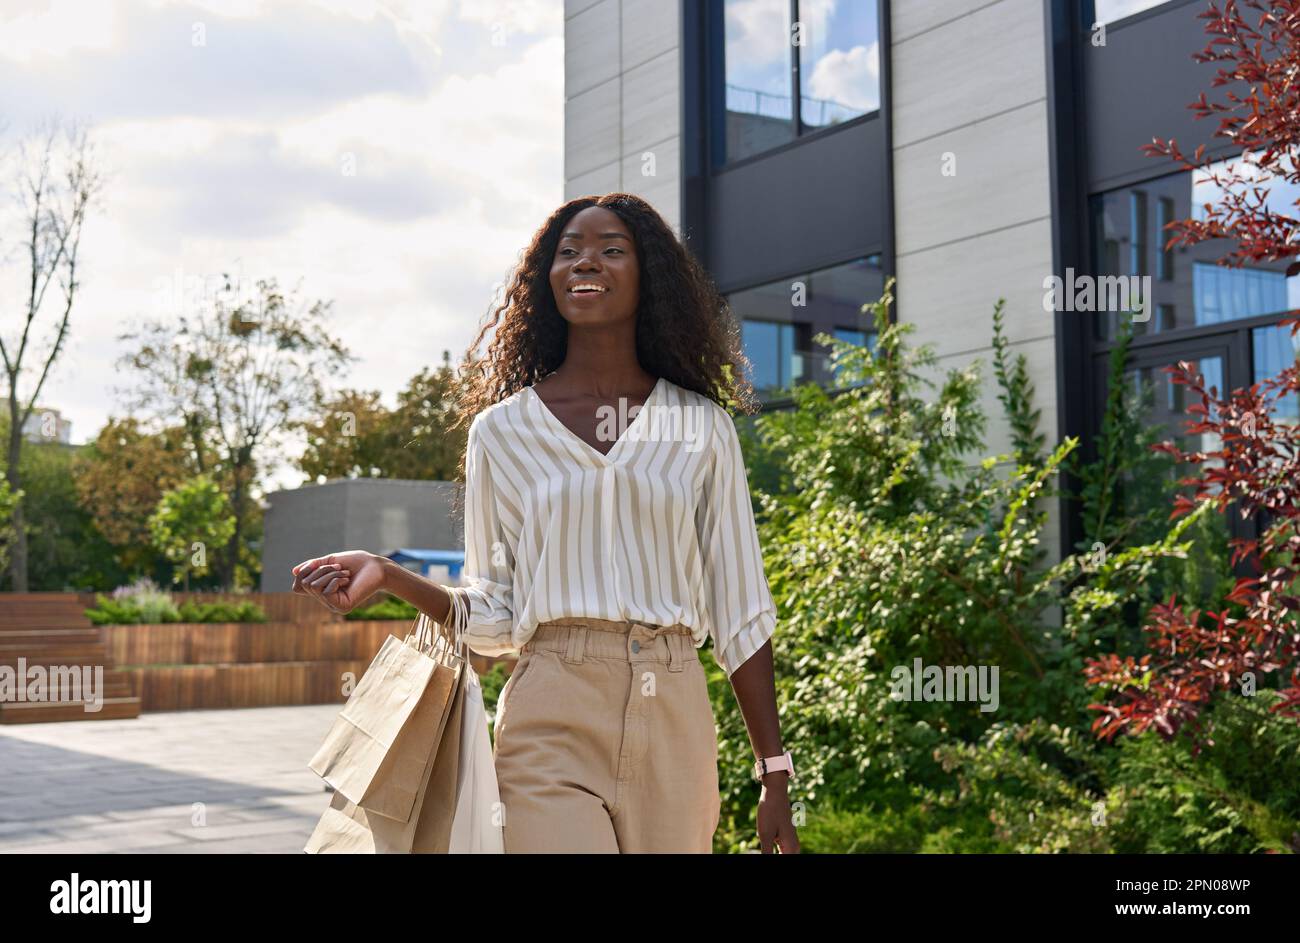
(772, 764)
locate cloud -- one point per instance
(848, 77)
(452, 114)
(252, 187)
(183, 60)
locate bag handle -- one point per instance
(450, 634)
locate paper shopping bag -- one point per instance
(346, 828)
(362, 756)
(432, 834)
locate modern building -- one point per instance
(43, 425)
(972, 149)
(375, 514)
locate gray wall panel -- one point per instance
(1138, 86)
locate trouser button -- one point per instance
(636, 646)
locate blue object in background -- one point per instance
(434, 564)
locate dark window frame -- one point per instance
(720, 160)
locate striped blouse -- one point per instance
(660, 530)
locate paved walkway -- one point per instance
(210, 781)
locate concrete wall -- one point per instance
(970, 80)
(622, 101)
(375, 514)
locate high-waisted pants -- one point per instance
(604, 741)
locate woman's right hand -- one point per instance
(341, 581)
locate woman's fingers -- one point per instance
(324, 577)
(303, 572)
(322, 569)
(335, 584)
(320, 578)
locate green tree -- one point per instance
(191, 519)
(121, 476)
(58, 183)
(65, 549)
(346, 438)
(420, 444)
(8, 500)
(242, 371)
(353, 435)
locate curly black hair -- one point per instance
(685, 330)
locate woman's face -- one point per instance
(596, 249)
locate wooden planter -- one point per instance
(184, 666)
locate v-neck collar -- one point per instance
(583, 443)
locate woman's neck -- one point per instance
(602, 363)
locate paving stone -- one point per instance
(88, 787)
(243, 829)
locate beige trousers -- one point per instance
(604, 742)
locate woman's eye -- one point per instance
(568, 251)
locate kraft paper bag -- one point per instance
(432, 834)
(363, 756)
(346, 828)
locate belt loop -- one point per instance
(577, 644)
(675, 651)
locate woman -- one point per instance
(608, 534)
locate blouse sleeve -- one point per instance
(488, 571)
(741, 615)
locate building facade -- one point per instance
(43, 425)
(806, 151)
(381, 515)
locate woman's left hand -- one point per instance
(775, 823)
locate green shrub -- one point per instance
(1237, 797)
(221, 611)
(146, 606)
(132, 610)
(390, 607)
(890, 538)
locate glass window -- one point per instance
(857, 336)
(839, 62)
(836, 68)
(1164, 257)
(1195, 291)
(1273, 349)
(1108, 11)
(1165, 402)
(759, 58)
(1229, 294)
(780, 318)
(1137, 233)
(770, 347)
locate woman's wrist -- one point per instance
(421, 592)
(386, 574)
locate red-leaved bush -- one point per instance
(1256, 468)
(1263, 61)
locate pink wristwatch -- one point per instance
(770, 764)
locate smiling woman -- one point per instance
(607, 556)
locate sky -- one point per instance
(393, 156)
